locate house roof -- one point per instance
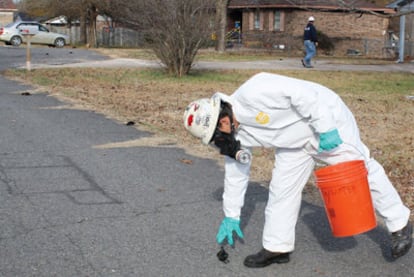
(402, 4)
(308, 4)
(7, 5)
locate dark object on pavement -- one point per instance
(222, 255)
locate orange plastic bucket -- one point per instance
(345, 192)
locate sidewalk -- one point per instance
(282, 64)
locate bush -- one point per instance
(325, 43)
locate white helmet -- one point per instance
(201, 117)
(311, 18)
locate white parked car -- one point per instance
(11, 35)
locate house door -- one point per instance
(234, 27)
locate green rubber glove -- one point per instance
(329, 140)
(227, 226)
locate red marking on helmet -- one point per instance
(196, 107)
(190, 120)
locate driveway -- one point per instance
(73, 205)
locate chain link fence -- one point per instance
(128, 38)
(105, 37)
(340, 47)
(119, 37)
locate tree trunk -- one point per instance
(92, 14)
(221, 19)
(83, 27)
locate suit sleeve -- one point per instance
(236, 180)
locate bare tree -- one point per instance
(174, 29)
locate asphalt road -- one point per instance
(70, 208)
(15, 57)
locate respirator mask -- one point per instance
(226, 142)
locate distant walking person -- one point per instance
(311, 41)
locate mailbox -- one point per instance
(27, 30)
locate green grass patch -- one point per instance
(367, 83)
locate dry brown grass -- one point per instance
(156, 102)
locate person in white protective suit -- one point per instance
(304, 122)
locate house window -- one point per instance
(257, 20)
(277, 21)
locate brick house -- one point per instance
(279, 24)
(7, 11)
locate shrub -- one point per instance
(325, 43)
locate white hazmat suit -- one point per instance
(289, 114)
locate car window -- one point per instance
(43, 29)
(22, 24)
(25, 24)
